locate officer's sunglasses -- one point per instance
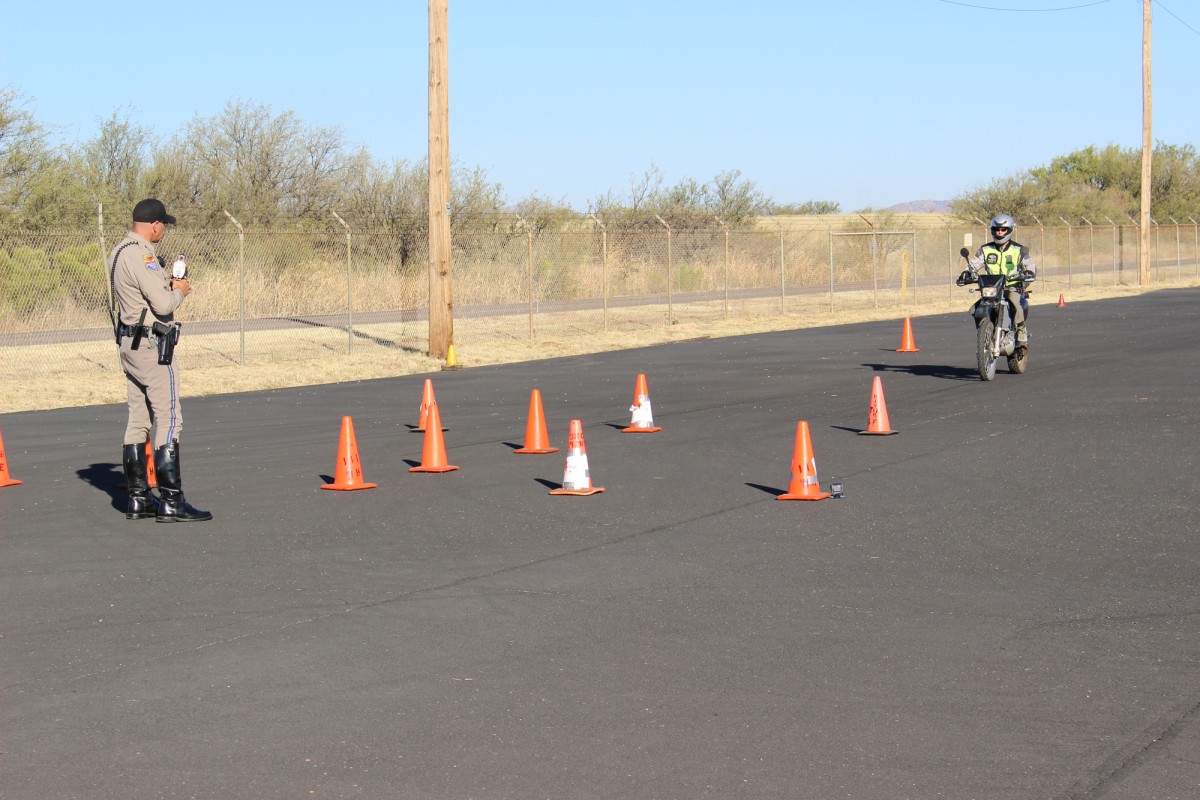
(1000, 230)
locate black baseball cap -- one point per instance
(151, 210)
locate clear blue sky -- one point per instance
(864, 102)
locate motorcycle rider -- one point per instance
(1003, 256)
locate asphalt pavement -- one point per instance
(1006, 604)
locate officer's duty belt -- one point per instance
(134, 330)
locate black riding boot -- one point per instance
(141, 502)
(171, 505)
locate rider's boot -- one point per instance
(172, 506)
(1022, 335)
(141, 502)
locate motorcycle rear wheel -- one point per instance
(985, 360)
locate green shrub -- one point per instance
(81, 270)
(28, 280)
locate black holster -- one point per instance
(167, 334)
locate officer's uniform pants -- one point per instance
(153, 391)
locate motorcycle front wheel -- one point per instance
(986, 361)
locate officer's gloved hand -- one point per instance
(965, 277)
(1028, 276)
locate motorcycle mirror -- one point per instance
(964, 252)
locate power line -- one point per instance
(1027, 10)
(1176, 16)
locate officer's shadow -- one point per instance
(108, 478)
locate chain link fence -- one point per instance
(278, 296)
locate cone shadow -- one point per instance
(771, 490)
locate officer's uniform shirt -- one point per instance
(139, 281)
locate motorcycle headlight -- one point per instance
(990, 292)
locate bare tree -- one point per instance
(111, 164)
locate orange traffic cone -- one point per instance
(1062, 301)
(643, 417)
(804, 485)
(878, 423)
(151, 475)
(348, 472)
(536, 438)
(5, 478)
(577, 478)
(433, 453)
(907, 345)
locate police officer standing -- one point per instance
(146, 298)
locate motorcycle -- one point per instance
(995, 332)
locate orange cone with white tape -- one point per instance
(577, 477)
(433, 452)
(907, 345)
(348, 474)
(804, 485)
(537, 440)
(5, 478)
(878, 423)
(643, 416)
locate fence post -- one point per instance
(528, 269)
(603, 269)
(103, 253)
(1091, 250)
(670, 304)
(1178, 267)
(782, 273)
(349, 288)
(725, 227)
(1068, 251)
(1114, 243)
(241, 288)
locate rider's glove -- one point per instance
(1027, 275)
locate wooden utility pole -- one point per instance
(441, 306)
(1147, 152)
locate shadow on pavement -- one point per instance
(930, 371)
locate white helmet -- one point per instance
(1003, 228)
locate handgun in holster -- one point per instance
(168, 335)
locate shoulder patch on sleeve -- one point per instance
(151, 262)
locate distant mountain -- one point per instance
(921, 207)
